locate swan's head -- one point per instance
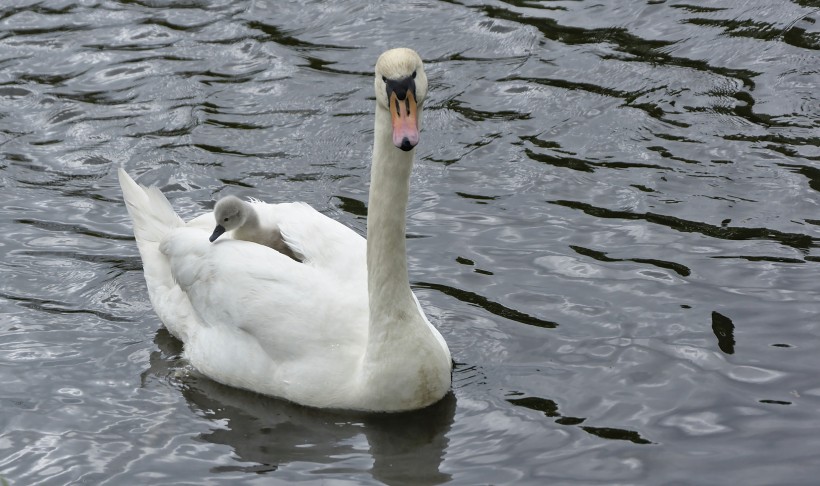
(230, 213)
(401, 87)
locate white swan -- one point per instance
(240, 217)
(342, 329)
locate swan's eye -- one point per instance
(414, 75)
(384, 78)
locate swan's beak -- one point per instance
(405, 121)
(217, 233)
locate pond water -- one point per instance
(613, 222)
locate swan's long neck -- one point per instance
(392, 306)
(406, 364)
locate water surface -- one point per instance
(614, 223)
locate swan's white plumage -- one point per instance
(309, 331)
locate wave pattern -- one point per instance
(614, 224)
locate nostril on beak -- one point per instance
(406, 145)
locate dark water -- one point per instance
(614, 223)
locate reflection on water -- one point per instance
(613, 222)
(724, 330)
(405, 448)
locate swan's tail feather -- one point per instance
(154, 219)
(150, 211)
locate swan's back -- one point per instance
(325, 243)
(267, 322)
(250, 316)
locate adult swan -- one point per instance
(339, 329)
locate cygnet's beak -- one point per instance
(217, 233)
(403, 112)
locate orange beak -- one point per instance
(405, 121)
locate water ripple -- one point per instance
(642, 173)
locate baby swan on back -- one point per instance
(234, 214)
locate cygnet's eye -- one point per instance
(225, 220)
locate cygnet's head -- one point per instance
(230, 213)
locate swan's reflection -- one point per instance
(406, 448)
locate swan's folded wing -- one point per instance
(290, 309)
(266, 322)
(322, 241)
